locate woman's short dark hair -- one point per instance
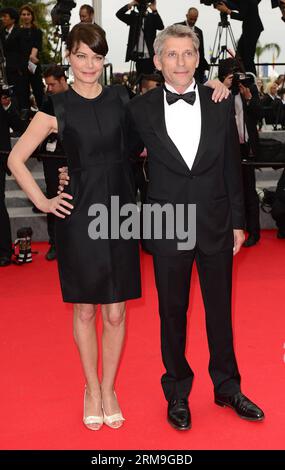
(90, 34)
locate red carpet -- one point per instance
(41, 391)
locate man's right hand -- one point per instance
(63, 178)
(238, 240)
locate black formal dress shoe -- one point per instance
(4, 261)
(251, 241)
(245, 408)
(178, 414)
(51, 254)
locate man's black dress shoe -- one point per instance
(178, 414)
(4, 262)
(281, 234)
(51, 254)
(245, 408)
(251, 241)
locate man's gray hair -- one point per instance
(175, 31)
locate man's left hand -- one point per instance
(220, 90)
(238, 240)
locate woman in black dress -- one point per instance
(90, 120)
(32, 38)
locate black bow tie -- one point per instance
(189, 97)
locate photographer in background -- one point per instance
(9, 117)
(143, 21)
(248, 112)
(86, 14)
(247, 12)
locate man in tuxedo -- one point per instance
(194, 158)
(247, 12)
(143, 23)
(191, 19)
(14, 52)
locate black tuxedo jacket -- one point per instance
(203, 64)
(153, 22)
(214, 183)
(13, 48)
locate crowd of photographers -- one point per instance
(24, 83)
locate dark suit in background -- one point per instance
(50, 167)
(252, 114)
(16, 65)
(152, 23)
(33, 37)
(273, 109)
(214, 184)
(9, 118)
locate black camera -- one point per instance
(60, 15)
(224, 16)
(246, 79)
(240, 78)
(144, 4)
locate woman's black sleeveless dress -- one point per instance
(94, 271)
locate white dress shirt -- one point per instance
(8, 31)
(183, 124)
(240, 120)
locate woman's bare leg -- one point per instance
(86, 340)
(112, 343)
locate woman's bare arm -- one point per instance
(41, 126)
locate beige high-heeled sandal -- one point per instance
(94, 423)
(112, 419)
(116, 418)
